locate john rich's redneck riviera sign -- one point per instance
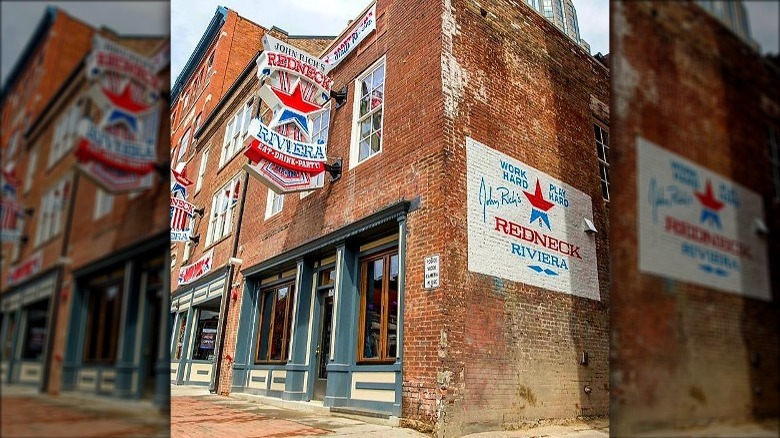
(526, 226)
(285, 154)
(697, 226)
(119, 152)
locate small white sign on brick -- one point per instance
(432, 272)
(528, 227)
(697, 226)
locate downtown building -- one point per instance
(84, 275)
(452, 270)
(694, 281)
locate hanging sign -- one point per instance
(119, 151)
(285, 153)
(697, 226)
(362, 28)
(201, 267)
(11, 211)
(26, 269)
(526, 226)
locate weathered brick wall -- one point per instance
(684, 354)
(508, 352)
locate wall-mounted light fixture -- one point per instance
(339, 96)
(195, 239)
(235, 261)
(589, 227)
(62, 260)
(29, 211)
(200, 211)
(761, 227)
(334, 170)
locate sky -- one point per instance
(764, 17)
(18, 20)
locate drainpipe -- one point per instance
(55, 304)
(226, 299)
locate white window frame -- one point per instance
(64, 136)
(603, 161)
(204, 158)
(274, 204)
(319, 132)
(184, 144)
(50, 212)
(187, 251)
(354, 152)
(222, 212)
(32, 164)
(17, 246)
(104, 203)
(236, 131)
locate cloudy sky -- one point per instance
(19, 19)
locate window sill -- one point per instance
(216, 242)
(364, 160)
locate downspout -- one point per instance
(225, 305)
(55, 305)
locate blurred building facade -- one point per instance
(85, 282)
(322, 295)
(733, 15)
(694, 321)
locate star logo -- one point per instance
(710, 205)
(540, 205)
(295, 108)
(124, 100)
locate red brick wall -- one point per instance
(508, 353)
(682, 352)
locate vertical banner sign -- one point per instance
(201, 267)
(284, 154)
(11, 210)
(119, 151)
(362, 28)
(697, 226)
(525, 226)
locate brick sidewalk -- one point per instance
(38, 415)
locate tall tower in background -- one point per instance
(563, 15)
(732, 14)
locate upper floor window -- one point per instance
(320, 127)
(65, 133)
(273, 204)
(774, 159)
(104, 202)
(183, 145)
(32, 164)
(276, 314)
(236, 131)
(602, 148)
(50, 212)
(204, 158)
(368, 110)
(378, 336)
(223, 205)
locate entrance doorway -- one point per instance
(322, 353)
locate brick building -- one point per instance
(697, 113)
(475, 133)
(84, 285)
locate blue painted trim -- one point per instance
(401, 309)
(212, 30)
(376, 385)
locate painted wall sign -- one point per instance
(432, 272)
(283, 152)
(525, 226)
(697, 226)
(362, 28)
(26, 269)
(119, 151)
(201, 267)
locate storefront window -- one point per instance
(205, 335)
(180, 335)
(379, 308)
(35, 335)
(104, 303)
(275, 323)
(9, 336)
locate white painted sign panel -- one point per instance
(432, 272)
(528, 227)
(361, 29)
(697, 226)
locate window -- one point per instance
(602, 149)
(180, 332)
(187, 249)
(211, 60)
(17, 244)
(205, 335)
(202, 170)
(197, 121)
(32, 163)
(236, 131)
(13, 144)
(173, 259)
(273, 204)
(223, 204)
(276, 306)
(104, 302)
(51, 210)
(104, 202)
(774, 159)
(8, 340)
(35, 335)
(65, 133)
(368, 109)
(183, 144)
(377, 340)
